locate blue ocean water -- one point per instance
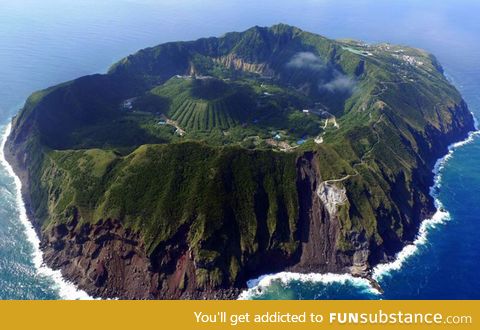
(50, 41)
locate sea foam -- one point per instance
(256, 286)
(66, 290)
(441, 216)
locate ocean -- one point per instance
(46, 42)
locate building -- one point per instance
(128, 104)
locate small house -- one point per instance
(128, 104)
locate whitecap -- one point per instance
(66, 289)
(258, 285)
(440, 217)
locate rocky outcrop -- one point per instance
(319, 229)
(332, 196)
(103, 258)
(320, 225)
(232, 61)
(109, 261)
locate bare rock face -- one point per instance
(233, 61)
(104, 258)
(332, 195)
(319, 224)
(109, 261)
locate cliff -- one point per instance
(192, 167)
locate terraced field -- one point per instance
(203, 105)
(206, 115)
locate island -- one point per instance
(191, 167)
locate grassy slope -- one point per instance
(87, 156)
(219, 194)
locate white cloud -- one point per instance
(339, 83)
(306, 60)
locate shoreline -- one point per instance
(381, 270)
(66, 290)
(441, 216)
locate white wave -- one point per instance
(256, 286)
(383, 270)
(440, 216)
(475, 123)
(67, 290)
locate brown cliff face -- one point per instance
(319, 229)
(234, 62)
(318, 232)
(107, 260)
(104, 259)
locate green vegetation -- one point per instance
(206, 135)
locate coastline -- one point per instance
(67, 290)
(367, 282)
(381, 270)
(441, 216)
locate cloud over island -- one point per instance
(337, 82)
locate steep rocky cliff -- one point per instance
(193, 167)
